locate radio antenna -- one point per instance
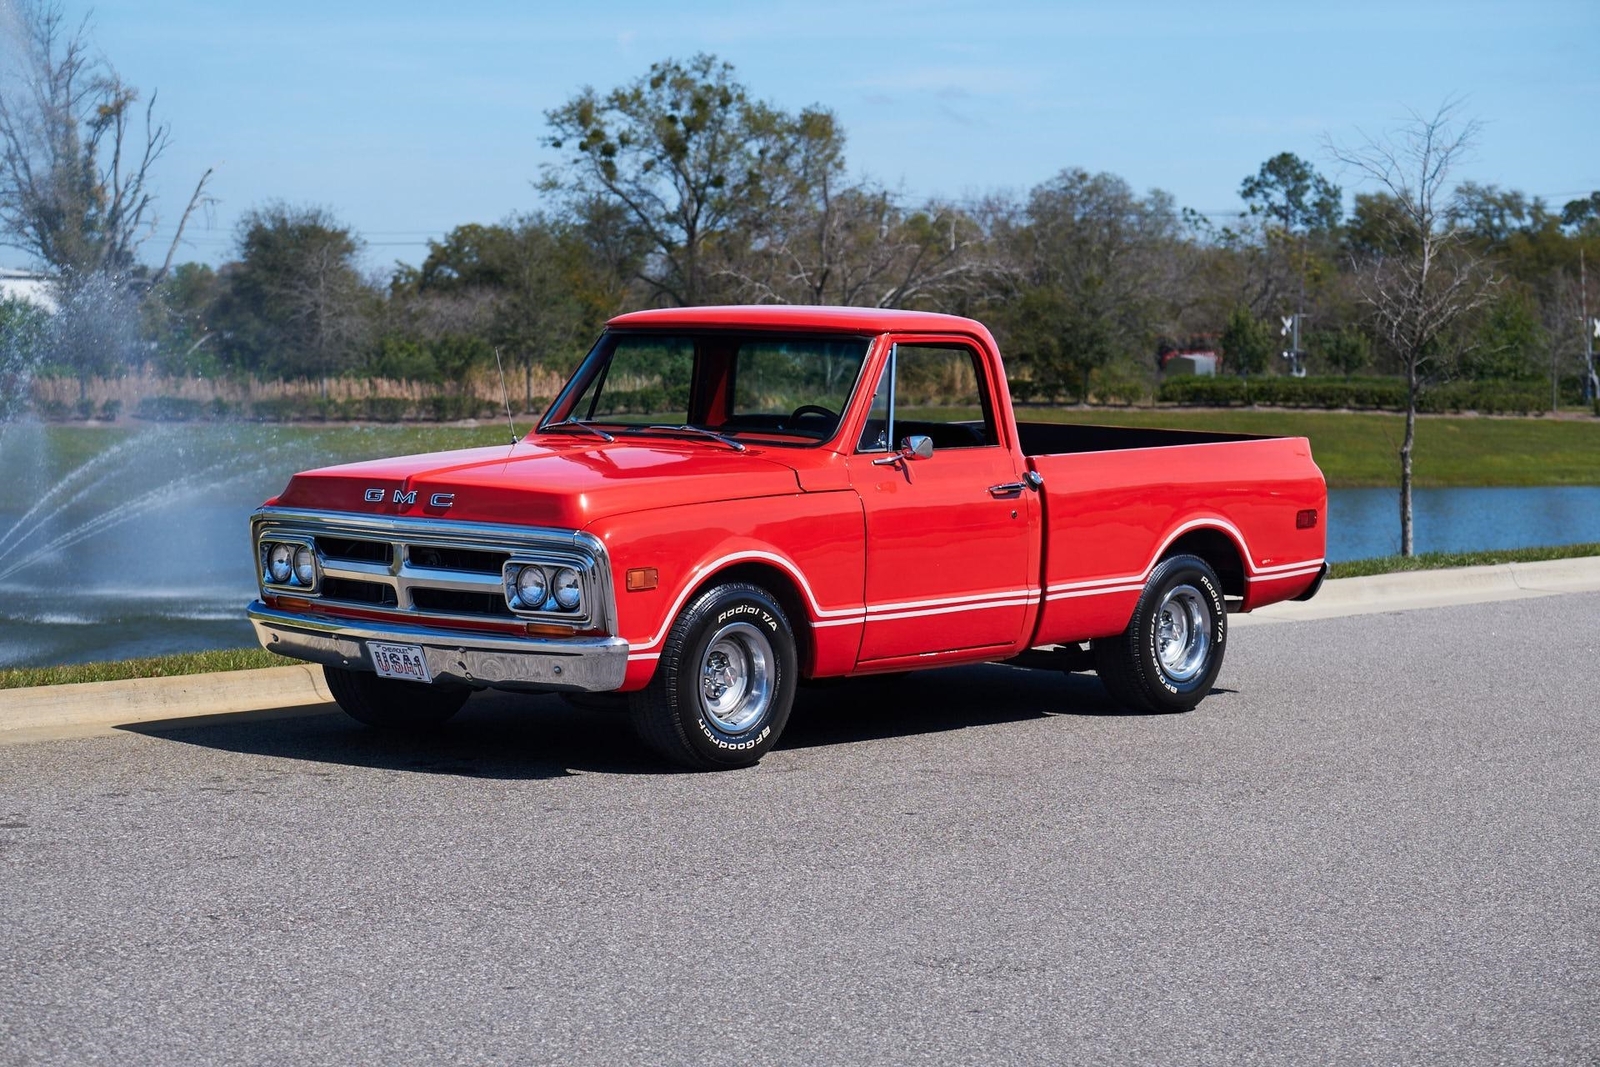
(504, 395)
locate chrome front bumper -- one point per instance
(572, 664)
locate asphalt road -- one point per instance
(1378, 842)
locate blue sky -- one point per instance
(407, 119)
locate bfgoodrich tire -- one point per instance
(725, 681)
(391, 704)
(1169, 656)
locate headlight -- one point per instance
(305, 566)
(569, 594)
(280, 562)
(532, 588)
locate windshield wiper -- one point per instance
(577, 424)
(714, 435)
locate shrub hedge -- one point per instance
(169, 409)
(1369, 394)
(370, 409)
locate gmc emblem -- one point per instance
(375, 496)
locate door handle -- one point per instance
(1032, 480)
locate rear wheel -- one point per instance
(391, 704)
(725, 682)
(1171, 652)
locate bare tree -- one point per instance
(74, 164)
(853, 243)
(1422, 280)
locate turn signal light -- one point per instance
(539, 629)
(642, 578)
(1305, 520)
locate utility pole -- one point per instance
(1291, 329)
(1591, 330)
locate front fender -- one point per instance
(814, 541)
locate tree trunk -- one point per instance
(1406, 545)
(1555, 399)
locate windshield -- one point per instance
(790, 389)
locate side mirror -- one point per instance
(914, 447)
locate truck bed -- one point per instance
(1057, 438)
(1116, 499)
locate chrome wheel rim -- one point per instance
(1183, 633)
(736, 677)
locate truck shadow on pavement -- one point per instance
(518, 737)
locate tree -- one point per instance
(1378, 226)
(1290, 192)
(1093, 258)
(1346, 350)
(175, 313)
(1298, 212)
(23, 326)
(294, 303)
(1425, 278)
(687, 157)
(1246, 343)
(76, 155)
(1583, 216)
(837, 242)
(1492, 214)
(533, 286)
(1508, 342)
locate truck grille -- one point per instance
(346, 550)
(355, 592)
(435, 569)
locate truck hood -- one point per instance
(543, 483)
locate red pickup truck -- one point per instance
(725, 503)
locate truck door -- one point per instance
(948, 535)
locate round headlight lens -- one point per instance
(532, 588)
(569, 594)
(280, 562)
(305, 566)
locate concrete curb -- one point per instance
(146, 699)
(1412, 590)
(60, 710)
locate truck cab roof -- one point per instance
(802, 317)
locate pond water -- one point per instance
(113, 546)
(1363, 523)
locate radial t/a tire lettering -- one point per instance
(391, 704)
(1169, 656)
(725, 682)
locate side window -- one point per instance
(875, 434)
(940, 393)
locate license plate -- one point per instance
(400, 661)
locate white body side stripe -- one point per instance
(909, 609)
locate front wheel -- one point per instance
(391, 704)
(725, 682)
(1169, 656)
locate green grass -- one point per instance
(1357, 450)
(1428, 561)
(232, 659)
(1353, 449)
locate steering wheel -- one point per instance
(816, 410)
